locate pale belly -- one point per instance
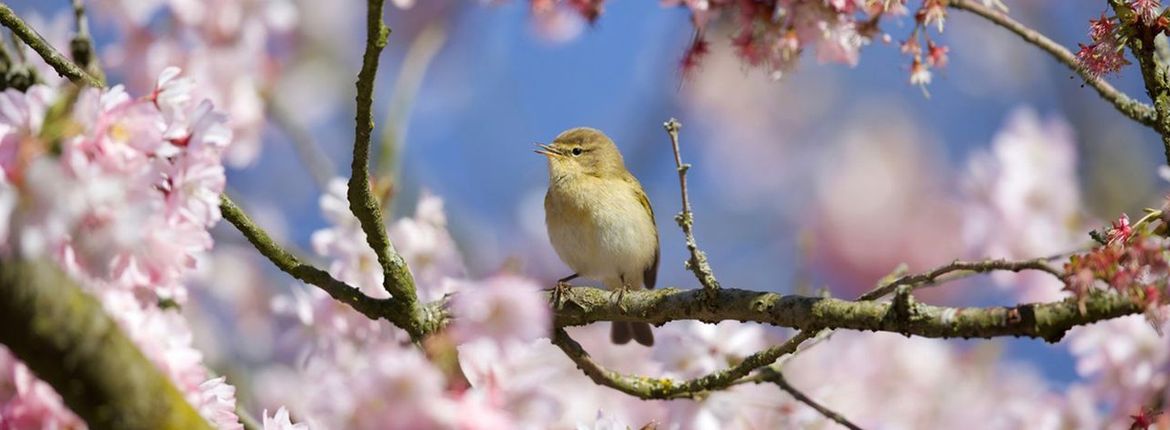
(614, 239)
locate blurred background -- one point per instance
(824, 180)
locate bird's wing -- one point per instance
(650, 275)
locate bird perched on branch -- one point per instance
(599, 219)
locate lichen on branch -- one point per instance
(65, 337)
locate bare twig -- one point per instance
(777, 378)
(666, 388)
(698, 262)
(34, 40)
(1135, 110)
(397, 279)
(373, 308)
(958, 269)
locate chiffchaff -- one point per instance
(599, 219)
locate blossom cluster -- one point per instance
(1106, 54)
(1131, 262)
(773, 34)
(226, 45)
(119, 192)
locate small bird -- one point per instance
(599, 219)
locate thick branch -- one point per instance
(1048, 321)
(63, 335)
(1140, 40)
(685, 219)
(396, 276)
(59, 62)
(1129, 107)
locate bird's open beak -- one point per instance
(547, 150)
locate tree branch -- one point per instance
(958, 269)
(1048, 321)
(698, 263)
(665, 388)
(60, 63)
(1140, 40)
(397, 279)
(1135, 110)
(777, 378)
(64, 336)
(374, 308)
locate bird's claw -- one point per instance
(617, 297)
(559, 293)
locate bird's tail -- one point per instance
(622, 331)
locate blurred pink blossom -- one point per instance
(504, 308)
(1126, 361)
(281, 421)
(427, 246)
(1023, 199)
(27, 402)
(223, 44)
(121, 214)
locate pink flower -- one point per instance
(281, 421)
(919, 73)
(936, 55)
(932, 12)
(1102, 58)
(344, 244)
(427, 246)
(504, 308)
(1146, 11)
(1120, 231)
(692, 348)
(27, 402)
(218, 404)
(193, 184)
(1103, 28)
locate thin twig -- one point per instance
(667, 388)
(1138, 111)
(316, 161)
(698, 262)
(288, 263)
(777, 378)
(58, 62)
(959, 269)
(397, 279)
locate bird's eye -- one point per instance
(577, 151)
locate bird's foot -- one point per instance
(617, 296)
(560, 293)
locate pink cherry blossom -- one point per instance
(280, 421)
(504, 308)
